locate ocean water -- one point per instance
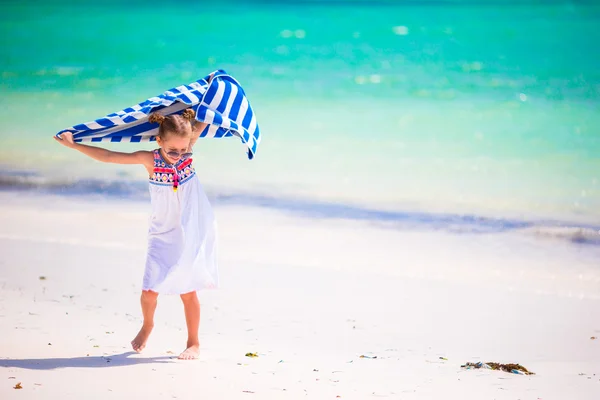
(475, 108)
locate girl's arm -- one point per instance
(97, 153)
(198, 127)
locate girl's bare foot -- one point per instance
(191, 353)
(140, 340)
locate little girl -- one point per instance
(181, 256)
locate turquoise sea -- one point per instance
(458, 107)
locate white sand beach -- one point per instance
(309, 296)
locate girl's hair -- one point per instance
(179, 125)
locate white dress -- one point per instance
(182, 240)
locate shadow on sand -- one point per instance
(116, 360)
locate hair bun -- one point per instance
(156, 118)
(188, 114)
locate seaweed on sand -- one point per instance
(512, 368)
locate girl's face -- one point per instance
(173, 144)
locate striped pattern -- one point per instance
(223, 105)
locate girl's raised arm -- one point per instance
(198, 127)
(98, 153)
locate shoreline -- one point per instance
(580, 229)
(225, 172)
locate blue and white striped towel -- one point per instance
(222, 105)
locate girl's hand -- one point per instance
(66, 139)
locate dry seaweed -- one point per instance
(511, 368)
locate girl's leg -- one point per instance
(191, 306)
(148, 301)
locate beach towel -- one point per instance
(222, 104)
